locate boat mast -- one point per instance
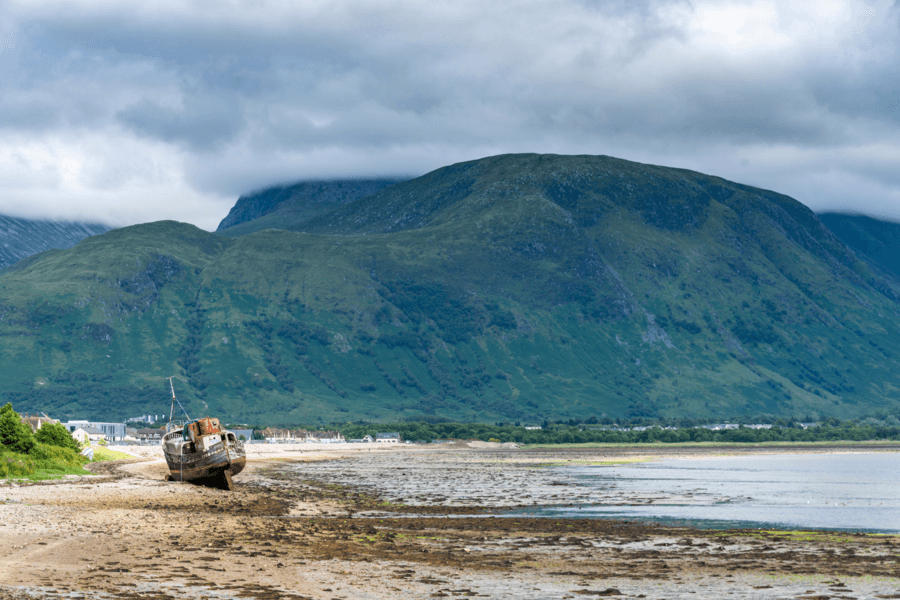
(174, 400)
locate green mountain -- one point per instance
(516, 287)
(288, 207)
(874, 240)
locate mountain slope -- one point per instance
(21, 238)
(878, 241)
(287, 207)
(518, 287)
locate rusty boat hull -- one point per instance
(186, 467)
(208, 456)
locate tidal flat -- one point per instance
(406, 523)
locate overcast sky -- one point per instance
(127, 112)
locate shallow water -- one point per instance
(858, 492)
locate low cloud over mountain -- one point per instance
(173, 109)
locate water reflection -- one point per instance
(820, 491)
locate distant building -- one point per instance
(325, 437)
(36, 422)
(149, 434)
(80, 436)
(114, 432)
(88, 435)
(246, 433)
(387, 438)
(151, 419)
(275, 435)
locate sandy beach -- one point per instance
(368, 522)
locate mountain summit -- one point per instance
(516, 287)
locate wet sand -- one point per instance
(399, 523)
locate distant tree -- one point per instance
(56, 434)
(14, 434)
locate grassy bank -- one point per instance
(103, 454)
(43, 462)
(49, 453)
(51, 462)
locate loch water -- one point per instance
(846, 492)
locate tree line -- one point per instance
(832, 430)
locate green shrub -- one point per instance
(49, 457)
(44, 462)
(14, 434)
(56, 434)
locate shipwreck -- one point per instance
(201, 450)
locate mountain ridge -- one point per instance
(21, 238)
(511, 288)
(287, 206)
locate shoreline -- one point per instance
(313, 451)
(124, 533)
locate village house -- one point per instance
(274, 435)
(721, 426)
(88, 435)
(326, 437)
(387, 438)
(80, 436)
(36, 422)
(149, 435)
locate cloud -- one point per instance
(171, 109)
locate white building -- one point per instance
(325, 437)
(151, 419)
(88, 435)
(387, 438)
(113, 432)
